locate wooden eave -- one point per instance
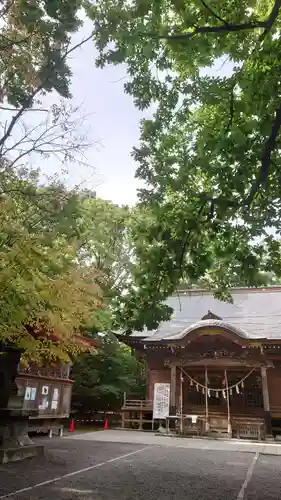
(140, 342)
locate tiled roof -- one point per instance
(254, 313)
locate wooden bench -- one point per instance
(193, 428)
(248, 428)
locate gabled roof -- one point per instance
(255, 313)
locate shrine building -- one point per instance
(219, 363)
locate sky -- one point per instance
(112, 123)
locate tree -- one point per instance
(210, 152)
(101, 380)
(106, 242)
(47, 297)
(35, 44)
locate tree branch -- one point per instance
(6, 9)
(214, 13)
(25, 106)
(231, 109)
(32, 109)
(229, 28)
(10, 42)
(271, 18)
(266, 161)
(186, 241)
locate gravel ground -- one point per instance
(116, 471)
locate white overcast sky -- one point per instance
(112, 123)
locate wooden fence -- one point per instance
(97, 419)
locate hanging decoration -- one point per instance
(217, 390)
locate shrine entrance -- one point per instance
(244, 389)
(222, 402)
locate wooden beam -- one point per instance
(265, 389)
(229, 429)
(181, 401)
(207, 425)
(173, 387)
(266, 403)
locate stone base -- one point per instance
(20, 453)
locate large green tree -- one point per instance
(47, 296)
(100, 380)
(210, 152)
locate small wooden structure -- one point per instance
(222, 362)
(136, 412)
(47, 390)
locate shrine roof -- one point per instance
(254, 314)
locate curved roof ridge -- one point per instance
(209, 322)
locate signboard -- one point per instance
(55, 399)
(161, 401)
(27, 395)
(30, 394)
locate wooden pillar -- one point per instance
(266, 404)
(181, 401)
(123, 411)
(229, 429)
(207, 426)
(173, 389)
(141, 420)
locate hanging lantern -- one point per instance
(217, 394)
(197, 387)
(191, 382)
(203, 390)
(242, 384)
(182, 379)
(237, 389)
(209, 393)
(230, 391)
(223, 393)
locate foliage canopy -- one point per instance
(47, 295)
(34, 42)
(101, 380)
(210, 153)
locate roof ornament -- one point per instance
(211, 315)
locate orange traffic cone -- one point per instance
(71, 427)
(105, 428)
